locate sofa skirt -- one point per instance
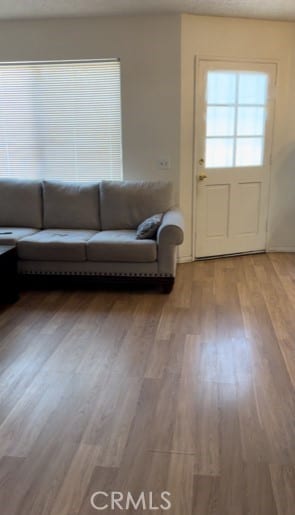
(89, 268)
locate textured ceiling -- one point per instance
(266, 9)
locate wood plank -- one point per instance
(102, 480)
(196, 425)
(251, 494)
(8, 467)
(259, 494)
(180, 483)
(255, 448)
(19, 432)
(167, 323)
(76, 482)
(206, 496)
(232, 488)
(164, 414)
(281, 312)
(19, 372)
(111, 419)
(283, 483)
(157, 359)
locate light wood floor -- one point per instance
(192, 393)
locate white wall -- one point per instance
(149, 49)
(244, 39)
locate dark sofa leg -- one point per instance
(167, 284)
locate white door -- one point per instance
(233, 147)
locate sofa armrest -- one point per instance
(171, 229)
(170, 234)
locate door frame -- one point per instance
(196, 129)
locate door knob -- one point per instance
(202, 176)
(201, 162)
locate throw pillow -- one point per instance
(148, 228)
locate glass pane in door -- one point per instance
(249, 152)
(251, 121)
(221, 87)
(220, 121)
(219, 152)
(252, 88)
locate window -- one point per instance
(235, 119)
(61, 120)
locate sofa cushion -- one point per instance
(121, 246)
(124, 205)
(55, 245)
(10, 235)
(71, 205)
(20, 203)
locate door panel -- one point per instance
(218, 210)
(233, 127)
(249, 194)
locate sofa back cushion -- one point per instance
(71, 205)
(20, 203)
(125, 204)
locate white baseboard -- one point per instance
(280, 249)
(185, 259)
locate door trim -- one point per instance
(195, 157)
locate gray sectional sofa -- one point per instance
(80, 229)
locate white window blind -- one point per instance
(61, 120)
